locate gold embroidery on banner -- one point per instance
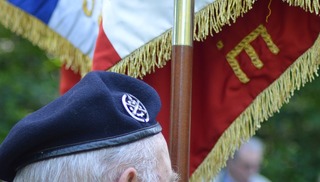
(245, 45)
(220, 45)
(269, 8)
(85, 7)
(254, 56)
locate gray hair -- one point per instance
(254, 143)
(101, 165)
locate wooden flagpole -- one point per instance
(181, 86)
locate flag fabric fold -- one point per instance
(242, 73)
(66, 29)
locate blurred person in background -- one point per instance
(245, 165)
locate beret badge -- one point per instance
(135, 108)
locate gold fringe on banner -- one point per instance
(207, 21)
(303, 70)
(158, 51)
(144, 60)
(312, 6)
(42, 36)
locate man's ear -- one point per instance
(129, 175)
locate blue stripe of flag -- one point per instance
(42, 9)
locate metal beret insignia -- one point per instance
(135, 108)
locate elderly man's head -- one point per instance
(246, 161)
(103, 129)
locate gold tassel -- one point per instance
(303, 70)
(42, 36)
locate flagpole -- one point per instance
(181, 86)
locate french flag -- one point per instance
(68, 19)
(63, 28)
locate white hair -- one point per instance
(101, 165)
(253, 144)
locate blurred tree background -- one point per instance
(29, 79)
(291, 138)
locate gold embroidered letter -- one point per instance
(245, 45)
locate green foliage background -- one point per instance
(292, 138)
(29, 79)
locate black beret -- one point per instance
(104, 109)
